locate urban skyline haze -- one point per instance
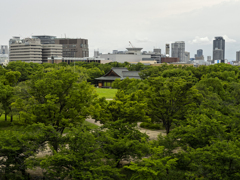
(110, 26)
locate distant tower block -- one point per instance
(96, 53)
(178, 50)
(167, 49)
(219, 48)
(209, 58)
(157, 50)
(115, 51)
(238, 56)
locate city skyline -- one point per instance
(110, 26)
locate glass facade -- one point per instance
(46, 39)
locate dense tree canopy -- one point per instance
(197, 106)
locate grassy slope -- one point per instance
(107, 93)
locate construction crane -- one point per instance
(131, 44)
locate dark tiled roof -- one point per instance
(119, 70)
(122, 73)
(130, 74)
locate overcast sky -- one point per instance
(111, 24)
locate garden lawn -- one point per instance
(107, 93)
(7, 125)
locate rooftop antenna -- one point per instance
(131, 44)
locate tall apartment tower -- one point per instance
(178, 50)
(167, 51)
(199, 52)
(74, 47)
(219, 48)
(218, 54)
(199, 55)
(238, 56)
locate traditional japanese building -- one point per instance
(116, 73)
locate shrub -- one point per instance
(151, 125)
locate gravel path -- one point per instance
(153, 134)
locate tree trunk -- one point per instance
(118, 164)
(5, 117)
(11, 118)
(168, 129)
(24, 174)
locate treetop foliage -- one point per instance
(198, 108)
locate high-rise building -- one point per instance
(96, 53)
(167, 51)
(45, 39)
(157, 51)
(199, 55)
(178, 50)
(74, 47)
(238, 56)
(219, 48)
(187, 56)
(209, 58)
(14, 39)
(4, 49)
(27, 50)
(200, 52)
(218, 54)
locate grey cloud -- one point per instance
(111, 24)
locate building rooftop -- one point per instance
(43, 36)
(120, 73)
(134, 49)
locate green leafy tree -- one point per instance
(120, 138)
(155, 167)
(82, 158)
(8, 80)
(137, 67)
(25, 69)
(94, 73)
(122, 141)
(55, 98)
(129, 85)
(132, 108)
(6, 95)
(220, 160)
(169, 99)
(18, 146)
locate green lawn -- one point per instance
(8, 125)
(107, 93)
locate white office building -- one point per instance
(131, 55)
